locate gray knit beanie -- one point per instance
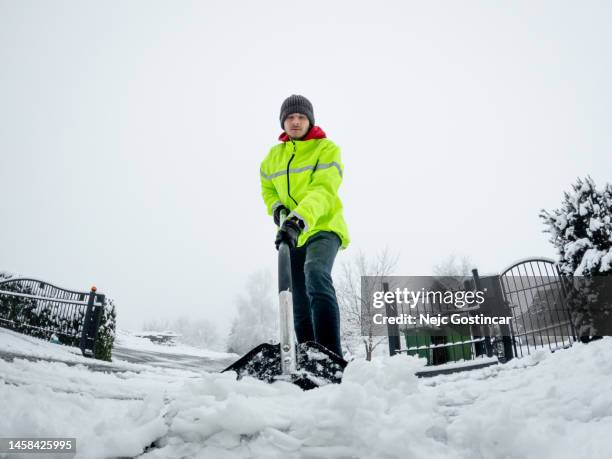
(296, 104)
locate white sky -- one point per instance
(131, 134)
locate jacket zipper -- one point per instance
(288, 164)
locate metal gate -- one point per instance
(38, 308)
(536, 294)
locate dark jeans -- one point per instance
(315, 307)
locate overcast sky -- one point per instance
(131, 134)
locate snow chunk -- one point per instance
(584, 208)
(595, 224)
(606, 262)
(590, 260)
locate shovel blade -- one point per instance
(317, 365)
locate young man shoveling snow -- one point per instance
(301, 176)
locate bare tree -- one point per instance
(200, 333)
(355, 308)
(450, 271)
(257, 319)
(454, 266)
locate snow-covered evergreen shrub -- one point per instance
(106, 332)
(581, 231)
(19, 312)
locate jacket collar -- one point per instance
(314, 133)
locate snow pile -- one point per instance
(542, 406)
(222, 417)
(115, 411)
(103, 427)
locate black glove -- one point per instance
(288, 233)
(277, 213)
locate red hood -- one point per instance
(315, 133)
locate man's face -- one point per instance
(296, 126)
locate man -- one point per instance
(301, 176)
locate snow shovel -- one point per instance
(307, 365)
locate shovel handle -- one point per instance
(284, 261)
(287, 341)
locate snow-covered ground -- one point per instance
(547, 405)
(135, 349)
(129, 340)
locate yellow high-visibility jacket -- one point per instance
(304, 176)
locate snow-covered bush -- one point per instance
(581, 231)
(21, 313)
(106, 332)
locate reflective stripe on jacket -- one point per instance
(304, 176)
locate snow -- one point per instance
(573, 247)
(606, 262)
(561, 222)
(590, 260)
(584, 208)
(546, 405)
(595, 224)
(461, 364)
(28, 345)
